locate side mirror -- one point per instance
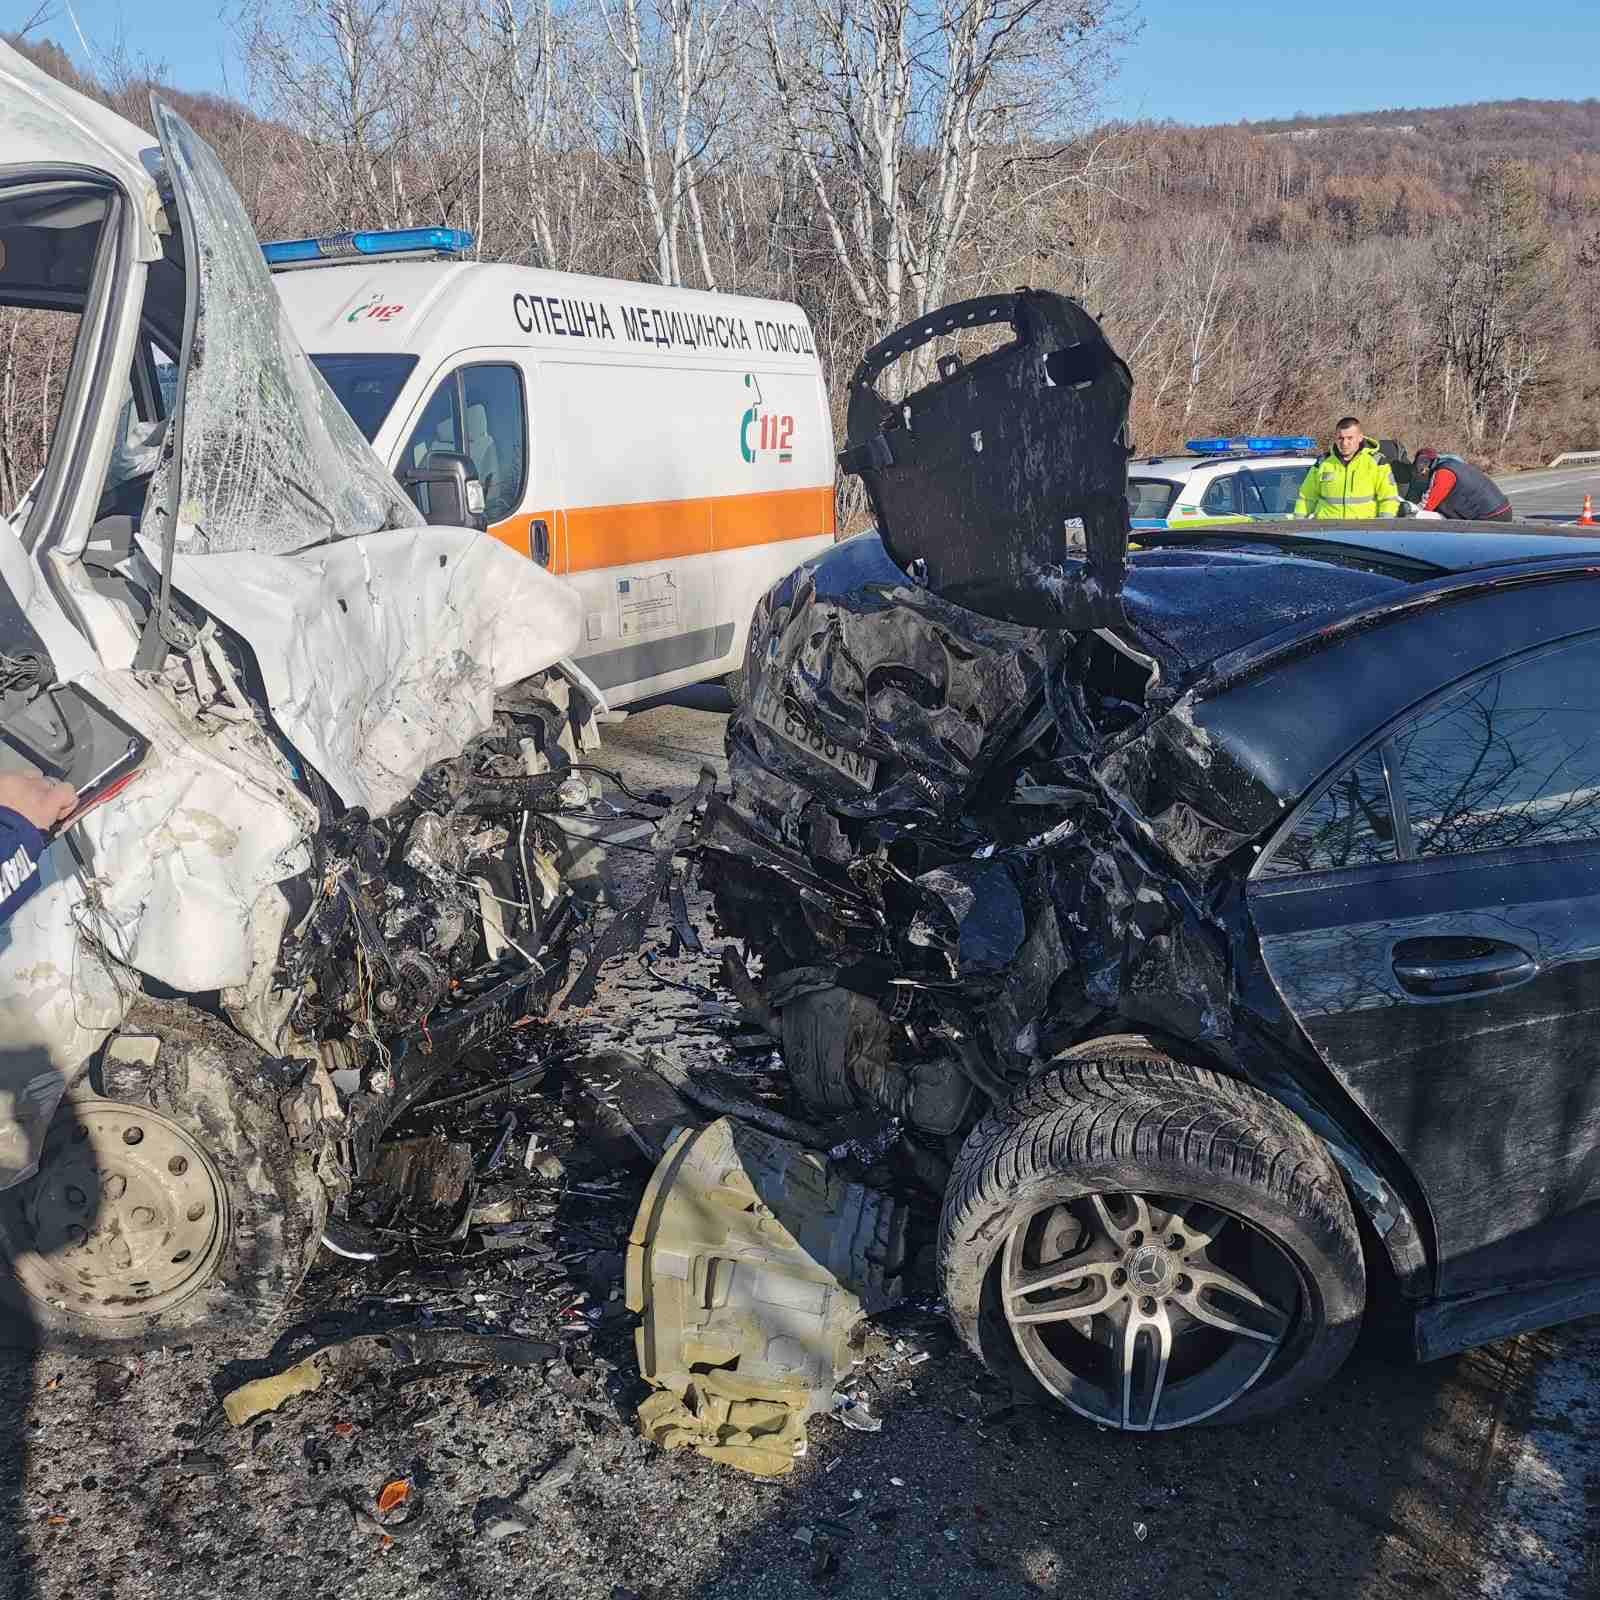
(446, 490)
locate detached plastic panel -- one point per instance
(1002, 484)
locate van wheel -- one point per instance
(1151, 1245)
(186, 1214)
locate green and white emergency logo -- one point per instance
(773, 435)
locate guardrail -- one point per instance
(1570, 456)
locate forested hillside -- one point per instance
(1437, 272)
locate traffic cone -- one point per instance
(1587, 519)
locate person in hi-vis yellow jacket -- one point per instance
(1351, 480)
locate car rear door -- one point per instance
(1432, 919)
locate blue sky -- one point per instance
(1231, 59)
(1193, 61)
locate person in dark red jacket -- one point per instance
(1457, 489)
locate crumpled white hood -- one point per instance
(381, 654)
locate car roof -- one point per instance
(1197, 596)
(1290, 645)
(1176, 468)
(1408, 546)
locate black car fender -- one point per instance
(1388, 1213)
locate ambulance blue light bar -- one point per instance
(383, 242)
(1259, 443)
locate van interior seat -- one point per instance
(481, 447)
(444, 438)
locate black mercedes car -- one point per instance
(1233, 967)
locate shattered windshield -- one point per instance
(263, 455)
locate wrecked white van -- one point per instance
(329, 740)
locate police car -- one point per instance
(1220, 480)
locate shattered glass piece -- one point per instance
(261, 455)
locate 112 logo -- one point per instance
(774, 433)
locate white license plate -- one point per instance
(772, 713)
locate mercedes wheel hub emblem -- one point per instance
(1149, 1269)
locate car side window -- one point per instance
(1513, 759)
(1348, 825)
(479, 412)
(1150, 497)
(1278, 487)
(439, 427)
(1221, 499)
(496, 434)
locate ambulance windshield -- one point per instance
(366, 385)
(262, 456)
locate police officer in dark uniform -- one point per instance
(1457, 489)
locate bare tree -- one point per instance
(674, 62)
(892, 110)
(541, 68)
(336, 71)
(1496, 277)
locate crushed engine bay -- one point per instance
(958, 842)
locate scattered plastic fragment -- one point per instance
(112, 1381)
(798, 1255)
(394, 1493)
(853, 1413)
(508, 1132)
(261, 1395)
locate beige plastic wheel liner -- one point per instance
(752, 1263)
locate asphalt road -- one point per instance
(1554, 491)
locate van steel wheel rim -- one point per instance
(126, 1216)
(1146, 1312)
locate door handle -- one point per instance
(541, 542)
(1454, 966)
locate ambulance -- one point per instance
(667, 451)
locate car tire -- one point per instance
(1246, 1293)
(238, 1207)
(836, 1047)
(734, 683)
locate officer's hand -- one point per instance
(43, 801)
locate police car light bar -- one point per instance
(1260, 443)
(385, 242)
